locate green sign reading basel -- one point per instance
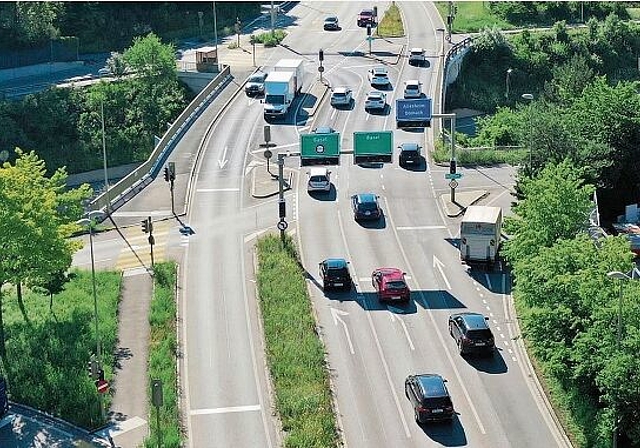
(372, 146)
(320, 149)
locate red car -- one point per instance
(390, 285)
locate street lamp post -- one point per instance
(529, 97)
(506, 92)
(89, 222)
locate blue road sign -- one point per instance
(413, 113)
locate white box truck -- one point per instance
(292, 65)
(480, 233)
(281, 87)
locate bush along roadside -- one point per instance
(162, 359)
(294, 351)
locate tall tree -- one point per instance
(36, 218)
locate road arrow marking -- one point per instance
(439, 264)
(335, 313)
(404, 328)
(222, 162)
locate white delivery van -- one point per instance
(480, 233)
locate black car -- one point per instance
(410, 154)
(471, 333)
(365, 207)
(331, 23)
(255, 84)
(334, 273)
(429, 397)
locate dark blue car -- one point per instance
(365, 207)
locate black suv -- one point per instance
(365, 206)
(429, 397)
(410, 154)
(471, 333)
(334, 273)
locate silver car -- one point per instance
(416, 56)
(341, 96)
(379, 76)
(375, 101)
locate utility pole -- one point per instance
(282, 206)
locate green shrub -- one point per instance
(269, 39)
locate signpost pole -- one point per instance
(281, 202)
(452, 161)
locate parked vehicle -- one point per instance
(429, 397)
(390, 285)
(255, 84)
(367, 17)
(480, 233)
(281, 86)
(472, 333)
(416, 56)
(331, 23)
(334, 273)
(319, 180)
(410, 154)
(365, 207)
(341, 96)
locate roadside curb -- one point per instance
(254, 192)
(461, 208)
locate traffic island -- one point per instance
(463, 199)
(265, 184)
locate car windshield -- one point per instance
(318, 179)
(380, 75)
(256, 78)
(396, 284)
(339, 95)
(274, 99)
(479, 334)
(367, 206)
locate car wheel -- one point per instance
(450, 329)
(460, 348)
(417, 416)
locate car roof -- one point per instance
(367, 10)
(380, 70)
(409, 146)
(331, 17)
(335, 263)
(473, 321)
(341, 90)
(391, 273)
(318, 171)
(412, 82)
(258, 74)
(375, 94)
(324, 130)
(367, 197)
(417, 50)
(432, 384)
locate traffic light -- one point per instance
(172, 171)
(101, 374)
(166, 174)
(452, 167)
(93, 368)
(321, 55)
(368, 29)
(146, 225)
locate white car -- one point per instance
(379, 76)
(375, 101)
(416, 56)
(319, 180)
(412, 89)
(341, 96)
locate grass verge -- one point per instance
(163, 357)
(480, 156)
(294, 352)
(48, 348)
(391, 23)
(472, 17)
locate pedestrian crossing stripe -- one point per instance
(139, 242)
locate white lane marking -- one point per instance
(439, 264)
(404, 328)
(335, 313)
(229, 410)
(214, 190)
(420, 227)
(223, 161)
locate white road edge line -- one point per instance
(233, 409)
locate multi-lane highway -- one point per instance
(371, 348)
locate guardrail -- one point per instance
(123, 191)
(455, 50)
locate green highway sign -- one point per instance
(320, 149)
(452, 175)
(372, 146)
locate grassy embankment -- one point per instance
(295, 353)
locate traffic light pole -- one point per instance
(452, 159)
